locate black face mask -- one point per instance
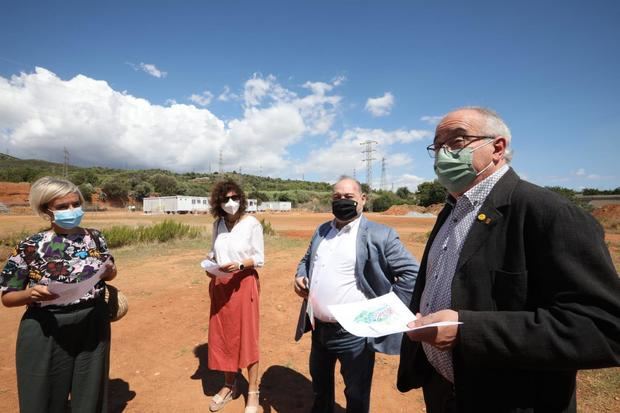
(344, 209)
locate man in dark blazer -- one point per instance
(350, 259)
(526, 272)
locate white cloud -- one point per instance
(380, 106)
(203, 99)
(408, 180)
(431, 120)
(343, 155)
(41, 113)
(227, 95)
(153, 70)
(580, 172)
(149, 68)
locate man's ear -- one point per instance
(499, 148)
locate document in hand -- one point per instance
(213, 268)
(377, 317)
(70, 292)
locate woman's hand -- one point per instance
(110, 272)
(41, 293)
(230, 267)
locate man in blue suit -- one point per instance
(350, 259)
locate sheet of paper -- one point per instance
(377, 317)
(70, 292)
(213, 268)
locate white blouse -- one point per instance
(244, 241)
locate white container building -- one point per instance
(177, 204)
(275, 206)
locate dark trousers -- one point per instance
(439, 395)
(331, 342)
(60, 354)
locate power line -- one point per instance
(368, 159)
(65, 171)
(383, 186)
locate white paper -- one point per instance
(377, 317)
(70, 292)
(214, 269)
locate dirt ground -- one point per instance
(159, 349)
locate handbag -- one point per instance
(117, 302)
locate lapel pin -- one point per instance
(484, 218)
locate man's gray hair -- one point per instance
(349, 178)
(495, 126)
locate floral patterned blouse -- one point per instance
(47, 256)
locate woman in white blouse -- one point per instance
(233, 324)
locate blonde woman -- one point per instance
(233, 324)
(62, 348)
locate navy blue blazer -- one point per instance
(382, 265)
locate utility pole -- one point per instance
(354, 173)
(221, 161)
(383, 184)
(368, 150)
(65, 171)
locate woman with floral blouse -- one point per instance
(63, 349)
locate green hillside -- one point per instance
(125, 185)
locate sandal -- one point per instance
(252, 409)
(218, 401)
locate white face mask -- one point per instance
(231, 207)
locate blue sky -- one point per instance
(290, 88)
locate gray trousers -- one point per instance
(63, 353)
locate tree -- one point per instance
(87, 191)
(430, 193)
(84, 176)
(141, 191)
(403, 192)
(115, 191)
(261, 196)
(382, 203)
(164, 184)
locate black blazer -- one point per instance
(539, 298)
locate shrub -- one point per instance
(267, 228)
(120, 235)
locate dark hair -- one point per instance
(218, 194)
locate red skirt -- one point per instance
(233, 323)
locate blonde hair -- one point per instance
(48, 188)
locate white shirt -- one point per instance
(333, 273)
(244, 241)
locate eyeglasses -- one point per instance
(233, 197)
(457, 143)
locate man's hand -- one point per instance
(301, 287)
(444, 337)
(41, 293)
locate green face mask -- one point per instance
(455, 169)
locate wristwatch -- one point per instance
(241, 266)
